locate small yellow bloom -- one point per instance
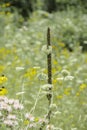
(61, 44)
(8, 4)
(82, 87)
(59, 96)
(55, 62)
(3, 91)
(66, 92)
(54, 81)
(26, 122)
(77, 94)
(36, 119)
(3, 79)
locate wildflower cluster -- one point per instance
(34, 122)
(8, 111)
(47, 50)
(66, 75)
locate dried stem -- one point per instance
(49, 58)
(49, 65)
(49, 68)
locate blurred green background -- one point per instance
(68, 17)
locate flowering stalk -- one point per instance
(49, 65)
(49, 68)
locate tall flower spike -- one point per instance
(49, 68)
(49, 65)
(49, 57)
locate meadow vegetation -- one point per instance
(23, 70)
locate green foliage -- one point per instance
(50, 5)
(68, 27)
(25, 7)
(71, 28)
(71, 4)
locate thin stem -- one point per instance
(49, 68)
(32, 110)
(49, 57)
(49, 65)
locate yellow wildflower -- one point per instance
(61, 44)
(82, 87)
(66, 92)
(55, 62)
(26, 122)
(36, 119)
(31, 72)
(54, 81)
(3, 91)
(3, 79)
(59, 96)
(8, 4)
(77, 94)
